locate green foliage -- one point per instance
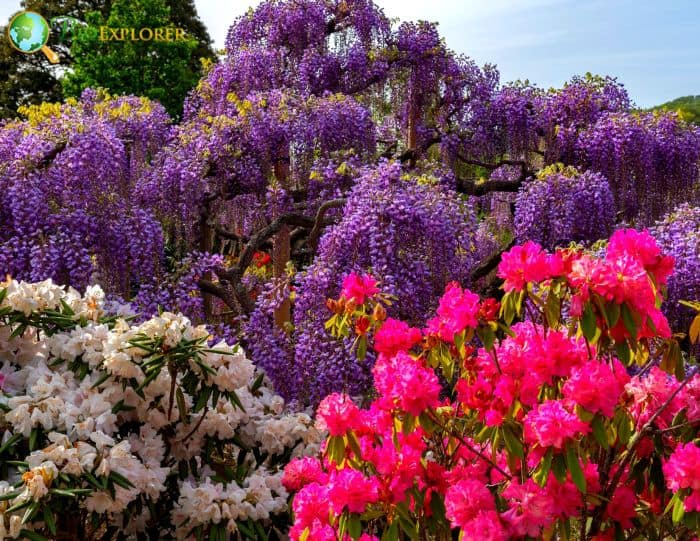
(687, 107)
(158, 69)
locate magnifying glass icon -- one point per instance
(29, 33)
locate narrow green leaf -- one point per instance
(678, 511)
(50, 520)
(513, 444)
(32, 536)
(574, 466)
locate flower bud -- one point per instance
(379, 313)
(362, 325)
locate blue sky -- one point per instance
(653, 47)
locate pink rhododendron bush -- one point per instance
(113, 430)
(566, 411)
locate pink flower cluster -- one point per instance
(682, 471)
(630, 274)
(458, 310)
(357, 288)
(322, 495)
(551, 424)
(528, 263)
(394, 336)
(512, 444)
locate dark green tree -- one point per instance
(687, 107)
(183, 14)
(30, 79)
(159, 69)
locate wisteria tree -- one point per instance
(331, 139)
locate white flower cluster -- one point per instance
(260, 496)
(104, 427)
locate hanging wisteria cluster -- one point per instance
(565, 206)
(67, 180)
(679, 235)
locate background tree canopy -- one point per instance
(688, 107)
(30, 79)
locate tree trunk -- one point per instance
(205, 245)
(281, 253)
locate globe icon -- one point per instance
(28, 32)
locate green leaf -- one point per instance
(613, 313)
(33, 437)
(354, 526)
(542, 473)
(50, 520)
(104, 377)
(572, 462)
(559, 467)
(678, 511)
(10, 442)
(628, 320)
(258, 382)
(392, 532)
(588, 322)
(247, 532)
(30, 512)
(18, 506)
(599, 432)
(552, 310)
(202, 399)
(33, 536)
(625, 427)
(362, 348)
(120, 480)
(623, 353)
(513, 444)
(10, 495)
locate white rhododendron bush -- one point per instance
(116, 430)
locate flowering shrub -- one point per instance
(564, 411)
(112, 429)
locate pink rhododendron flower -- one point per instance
(689, 398)
(337, 414)
(406, 383)
(311, 505)
(318, 531)
(622, 506)
(648, 393)
(465, 499)
(552, 425)
(352, 490)
(394, 336)
(692, 501)
(643, 247)
(566, 497)
(302, 471)
(596, 387)
(458, 310)
(357, 288)
(2, 381)
(530, 509)
(682, 469)
(528, 263)
(485, 526)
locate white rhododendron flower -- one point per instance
(115, 437)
